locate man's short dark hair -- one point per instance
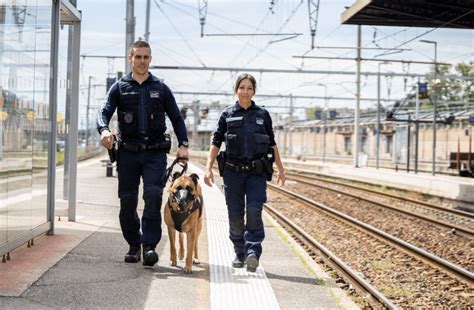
(138, 44)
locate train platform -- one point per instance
(450, 187)
(81, 265)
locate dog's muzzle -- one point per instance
(182, 198)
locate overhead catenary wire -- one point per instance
(245, 43)
(261, 50)
(179, 33)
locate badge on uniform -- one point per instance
(259, 121)
(154, 94)
(128, 118)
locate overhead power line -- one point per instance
(293, 71)
(251, 34)
(376, 59)
(179, 33)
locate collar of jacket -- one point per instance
(237, 106)
(151, 78)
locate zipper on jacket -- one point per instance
(142, 110)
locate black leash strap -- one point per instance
(178, 160)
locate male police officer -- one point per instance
(141, 101)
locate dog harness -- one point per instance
(180, 217)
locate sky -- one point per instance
(175, 38)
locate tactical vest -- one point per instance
(141, 112)
(246, 138)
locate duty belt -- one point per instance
(137, 147)
(240, 167)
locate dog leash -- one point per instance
(178, 160)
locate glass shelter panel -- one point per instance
(42, 124)
(63, 85)
(25, 36)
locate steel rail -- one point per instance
(453, 269)
(420, 202)
(462, 229)
(334, 261)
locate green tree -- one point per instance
(458, 91)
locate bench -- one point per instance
(109, 167)
(462, 161)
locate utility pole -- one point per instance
(324, 117)
(377, 154)
(87, 111)
(435, 101)
(202, 15)
(291, 127)
(313, 11)
(130, 31)
(147, 24)
(416, 123)
(195, 108)
(356, 142)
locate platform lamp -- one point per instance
(435, 100)
(377, 154)
(324, 116)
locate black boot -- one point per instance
(238, 261)
(150, 257)
(252, 263)
(133, 255)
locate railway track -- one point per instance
(404, 258)
(436, 286)
(461, 221)
(438, 237)
(363, 287)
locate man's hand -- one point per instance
(183, 152)
(107, 139)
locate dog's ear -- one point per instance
(195, 178)
(176, 175)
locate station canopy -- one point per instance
(411, 13)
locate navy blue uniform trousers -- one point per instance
(245, 195)
(131, 166)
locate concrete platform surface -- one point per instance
(81, 266)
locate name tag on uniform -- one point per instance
(260, 121)
(234, 119)
(154, 94)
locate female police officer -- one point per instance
(247, 131)
(141, 101)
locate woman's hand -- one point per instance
(208, 177)
(281, 178)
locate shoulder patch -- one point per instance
(154, 94)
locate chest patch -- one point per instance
(154, 94)
(259, 121)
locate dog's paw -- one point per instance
(181, 257)
(173, 263)
(196, 262)
(188, 270)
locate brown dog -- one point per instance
(183, 212)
